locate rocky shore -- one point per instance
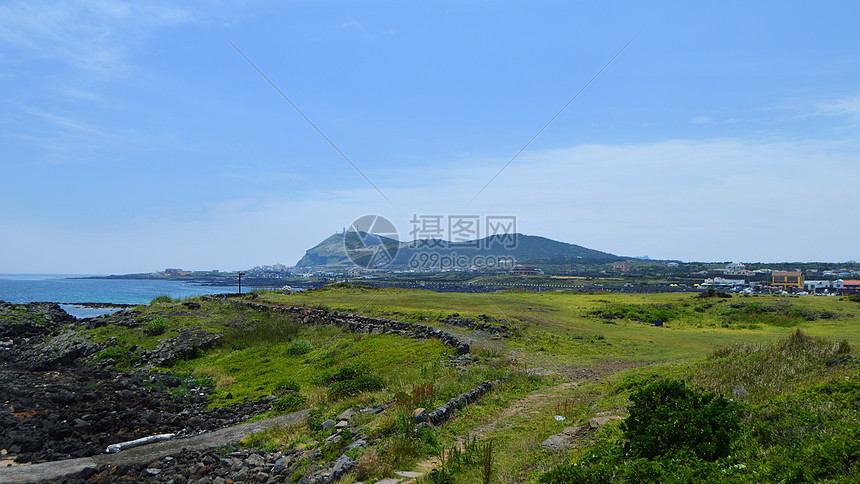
(60, 408)
(55, 406)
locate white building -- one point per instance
(722, 282)
(823, 286)
(735, 267)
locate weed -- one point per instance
(299, 347)
(422, 396)
(156, 327)
(369, 465)
(272, 327)
(475, 455)
(162, 299)
(276, 436)
(123, 358)
(353, 379)
(286, 387)
(112, 352)
(289, 403)
(565, 407)
(765, 370)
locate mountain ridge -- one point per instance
(331, 252)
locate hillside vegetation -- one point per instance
(771, 380)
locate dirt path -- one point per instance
(51, 471)
(532, 402)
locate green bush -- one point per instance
(364, 383)
(299, 347)
(600, 465)
(116, 353)
(353, 379)
(315, 419)
(350, 372)
(161, 299)
(156, 327)
(608, 462)
(289, 403)
(285, 387)
(645, 313)
(668, 417)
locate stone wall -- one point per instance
(358, 324)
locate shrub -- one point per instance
(161, 299)
(645, 313)
(370, 465)
(156, 327)
(364, 383)
(315, 419)
(353, 379)
(668, 417)
(285, 387)
(299, 347)
(289, 403)
(116, 353)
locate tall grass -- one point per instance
(271, 328)
(767, 369)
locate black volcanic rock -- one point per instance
(32, 319)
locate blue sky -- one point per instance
(133, 137)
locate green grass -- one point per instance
(799, 422)
(713, 343)
(554, 321)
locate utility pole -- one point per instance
(240, 281)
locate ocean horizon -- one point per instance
(70, 290)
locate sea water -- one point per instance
(68, 289)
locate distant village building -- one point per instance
(851, 286)
(722, 283)
(787, 280)
(735, 267)
(526, 270)
(823, 286)
(621, 266)
(172, 272)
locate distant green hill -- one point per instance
(330, 253)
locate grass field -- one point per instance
(573, 355)
(551, 322)
(614, 335)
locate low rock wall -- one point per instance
(445, 412)
(360, 324)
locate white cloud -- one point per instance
(848, 106)
(91, 36)
(352, 24)
(722, 199)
